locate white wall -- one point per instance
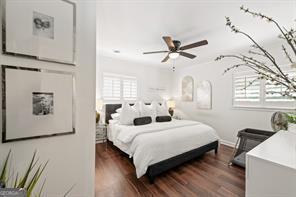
(148, 77)
(72, 157)
(223, 117)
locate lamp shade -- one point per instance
(99, 104)
(173, 55)
(171, 104)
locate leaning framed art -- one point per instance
(35, 105)
(187, 88)
(43, 30)
(204, 94)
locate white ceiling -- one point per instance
(136, 26)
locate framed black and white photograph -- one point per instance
(35, 105)
(42, 103)
(43, 25)
(44, 30)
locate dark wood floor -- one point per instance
(208, 175)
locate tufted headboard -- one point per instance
(110, 109)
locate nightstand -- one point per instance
(101, 133)
(177, 117)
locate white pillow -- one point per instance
(119, 110)
(161, 110)
(115, 116)
(148, 110)
(129, 113)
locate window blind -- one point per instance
(244, 91)
(119, 87)
(129, 89)
(273, 91)
(111, 87)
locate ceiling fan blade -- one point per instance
(191, 56)
(193, 45)
(169, 41)
(165, 59)
(155, 52)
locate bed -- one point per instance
(159, 147)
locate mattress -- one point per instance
(150, 144)
(113, 130)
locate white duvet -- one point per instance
(152, 143)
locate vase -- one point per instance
(2, 184)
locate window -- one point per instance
(246, 89)
(111, 87)
(119, 87)
(249, 92)
(273, 91)
(129, 89)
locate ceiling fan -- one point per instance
(175, 48)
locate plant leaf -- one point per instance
(41, 189)
(29, 170)
(32, 182)
(16, 180)
(69, 190)
(4, 169)
(35, 179)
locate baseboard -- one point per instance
(227, 143)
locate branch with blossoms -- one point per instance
(270, 70)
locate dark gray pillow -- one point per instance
(142, 120)
(163, 118)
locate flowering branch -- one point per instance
(272, 71)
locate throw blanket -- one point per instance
(128, 133)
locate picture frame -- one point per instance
(35, 105)
(204, 94)
(42, 30)
(187, 89)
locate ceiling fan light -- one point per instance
(174, 55)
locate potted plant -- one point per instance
(28, 181)
(292, 121)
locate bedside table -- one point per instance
(101, 133)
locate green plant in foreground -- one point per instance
(291, 118)
(30, 178)
(3, 176)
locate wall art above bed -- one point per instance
(43, 30)
(204, 94)
(35, 105)
(187, 88)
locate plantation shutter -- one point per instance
(129, 88)
(273, 91)
(246, 92)
(111, 87)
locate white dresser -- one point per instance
(271, 167)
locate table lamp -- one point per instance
(171, 105)
(99, 106)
